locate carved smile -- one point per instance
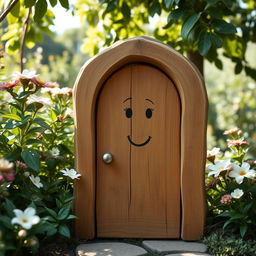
(139, 145)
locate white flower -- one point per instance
(217, 168)
(26, 74)
(55, 152)
(71, 173)
(35, 99)
(36, 181)
(5, 165)
(61, 91)
(46, 90)
(237, 193)
(69, 112)
(26, 219)
(214, 152)
(240, 172)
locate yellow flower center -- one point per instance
(242, 173)
(24, 220)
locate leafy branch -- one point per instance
(8, 9)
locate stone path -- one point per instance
(145, 248)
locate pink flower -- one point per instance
(10, 176)
(234, 131)
(226, 199)
(37, 82)
(51, 85)
(8, 85)
(239, 142)
(1, 177)
(21, 164)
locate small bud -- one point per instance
(26, 174)
(30, 242)
(22, 233)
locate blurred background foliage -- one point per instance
(217, 35)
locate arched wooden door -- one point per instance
(138, 122)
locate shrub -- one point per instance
(220, 244)
(36, 161)
(231, 188)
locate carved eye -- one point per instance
(149, 112)
(128, 112)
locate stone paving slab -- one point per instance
(188, 254)
(172, 246)
(109, 249)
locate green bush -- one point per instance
(229, 245)
(231, 187)
(36, 161)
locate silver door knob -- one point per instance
(107, 158)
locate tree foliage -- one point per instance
(187, 25)
(199, 26)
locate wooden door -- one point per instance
(138, 122)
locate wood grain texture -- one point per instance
(194, 105)
(138, 194)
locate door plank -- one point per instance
(138, 195)
(112, 187)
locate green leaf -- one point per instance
(243, 229)
(238, 68)
(29, 3)
(9, 207)
(250, 72)
(125, 9)
(234, 46)
(216, 40)
(32, 158)
(51, 212)
(226, 224)
(40, 10)
(204, 43)
(177, 14)
(11, 116)
(41, 122)
(64, 3)
(53, 2)
(189, 24)
(71, 217)
(15, 11)
(223, 27)
(154, 8)
(210, 3)
(169, 3)
(33, 141)
(64, 230)
(64, 212)
(218, 64)
(6, 221)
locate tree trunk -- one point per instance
(197, 59)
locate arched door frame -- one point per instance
(194, 105)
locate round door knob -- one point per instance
(107, 158)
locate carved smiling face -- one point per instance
(148, 114)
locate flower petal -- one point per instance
(239, 179)
(29, 212)
(26, 225)
(15, 220)
(246, 166)
(35, 220)
(233, 174)
(18, 213)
